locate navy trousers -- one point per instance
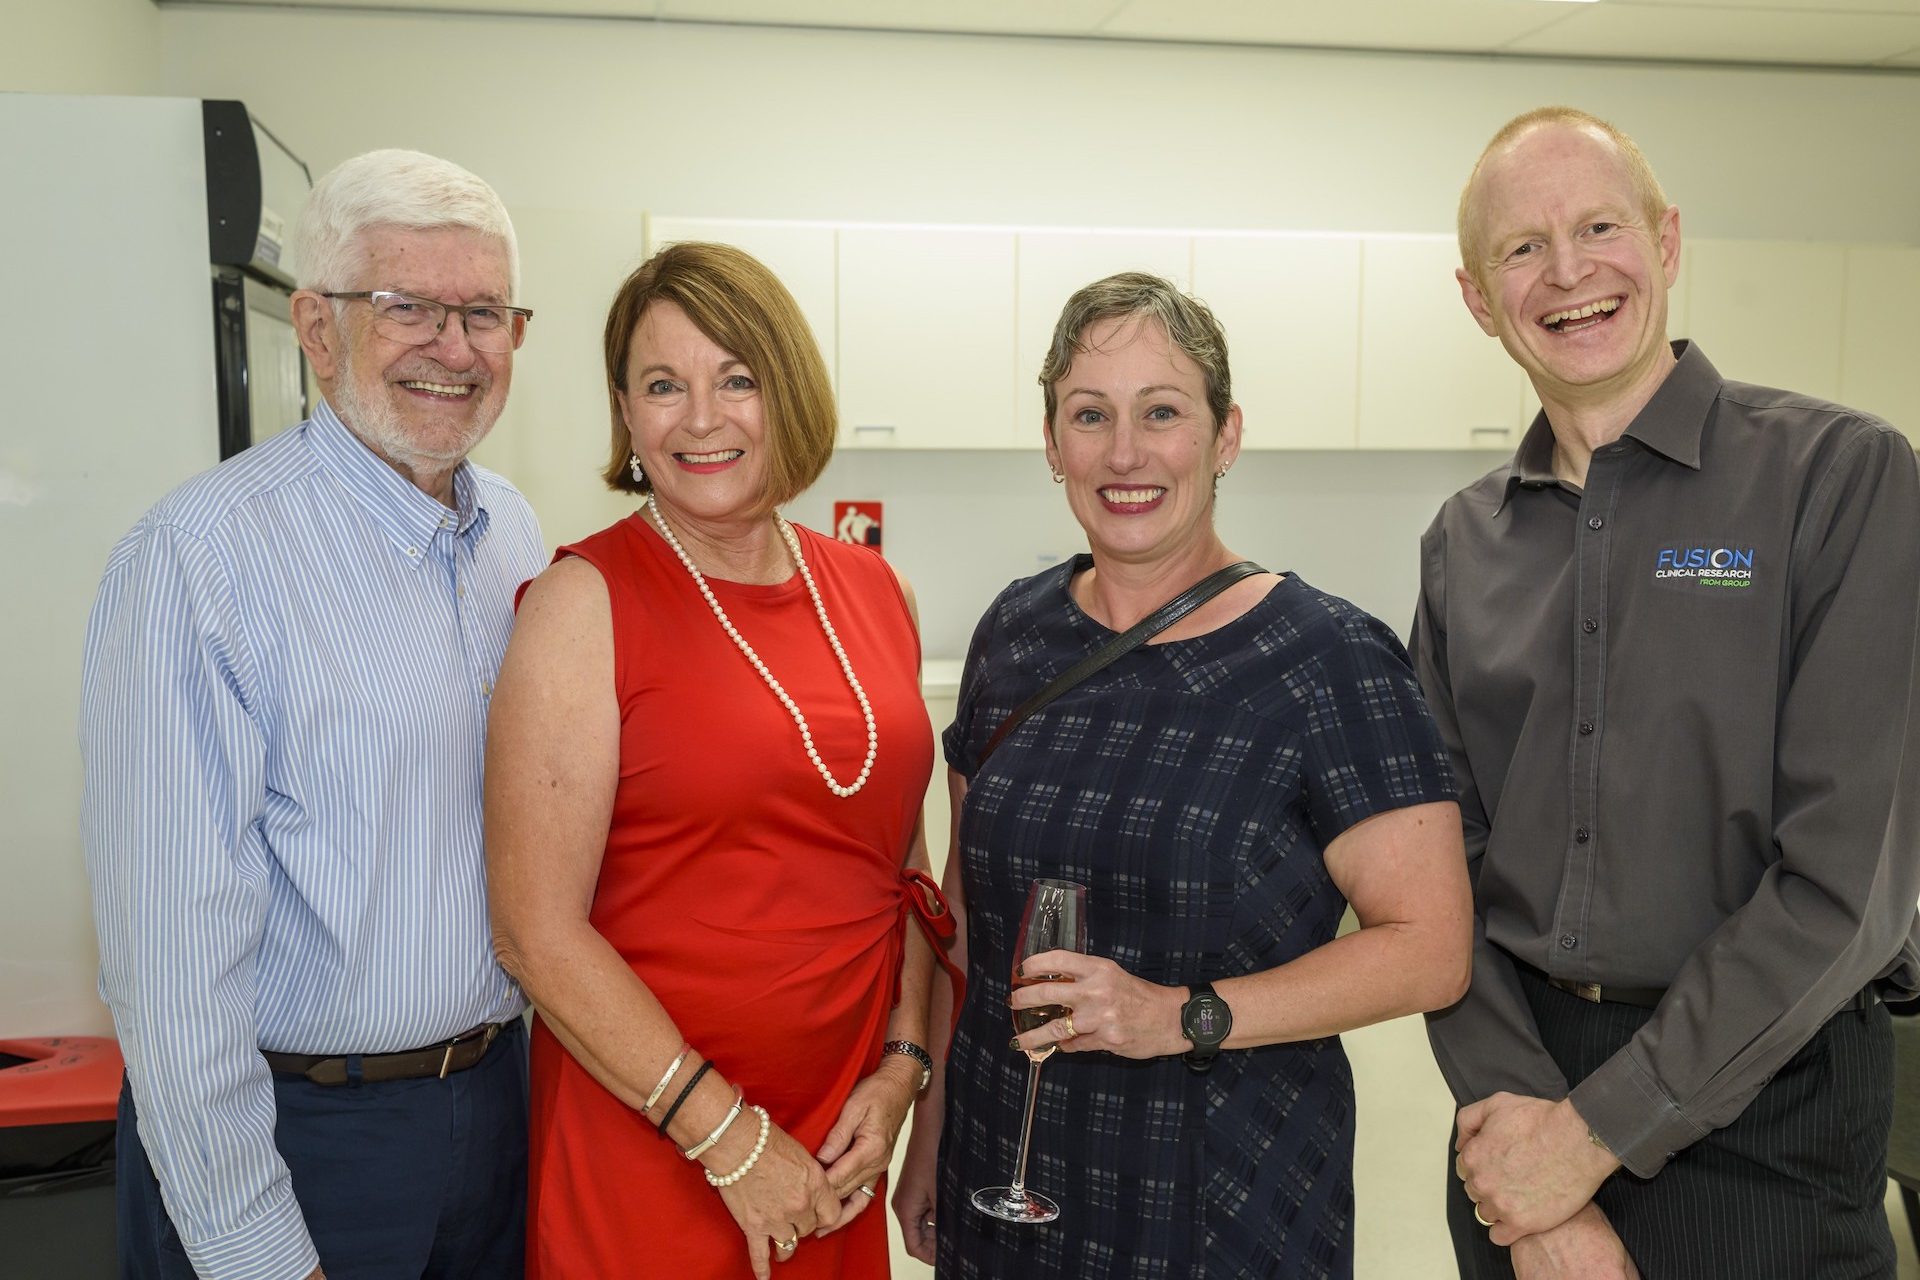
(402, 1180)
(1793, 1189)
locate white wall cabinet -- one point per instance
(1429, 378)
(1290, 306)
(927, 339)
(801, 254)
(1052, 266)
(1769, 311)
(935, 335)
(1880, 348)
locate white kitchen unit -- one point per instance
(1769, 311)
(1052, 265)
(927, 339)
(1429, 378)
(1290, 306)
(1880, 350)
(800, 253)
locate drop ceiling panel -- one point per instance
(556, 8)
(1761, 9)
(1832, 32)
(1399, 24)
(1012, 17)
(1627, 31)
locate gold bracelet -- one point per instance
(672, 1070)
(699, 1149)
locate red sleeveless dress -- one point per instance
(762, 910)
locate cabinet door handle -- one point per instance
(1488, 437)
(873, 432)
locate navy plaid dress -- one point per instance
(1192, 787)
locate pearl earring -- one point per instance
(1057, 477)
(634, 469)
(1221, 474)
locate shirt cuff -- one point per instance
(1628, 1110)
(273, 1246)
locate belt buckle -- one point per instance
(1588, 991)
(485, 1038)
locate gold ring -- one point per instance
(787, 1246)
(1477, 1217)
(1067, 1022)
(866, 1191)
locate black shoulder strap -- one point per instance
(1132, 638)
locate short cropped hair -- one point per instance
(1646, 187)
(392, 188)
(1187, 322)
(732, 298)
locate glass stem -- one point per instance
(1026, 1132)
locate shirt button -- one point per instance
(1589, 626)
(413, 551)
(1568, 942)
(486, 686)
(1594, 522)
(1580, 835)
(461, 590)
(1586, 726)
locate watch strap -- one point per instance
(1200, 1057)
(914, 1051)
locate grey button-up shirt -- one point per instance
(1684, 708)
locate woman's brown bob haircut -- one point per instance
(1187, 322)
(733, 299)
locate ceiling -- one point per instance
(1844, 33)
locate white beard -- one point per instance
(381, 424)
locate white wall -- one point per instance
(600, 120)
(80, 46)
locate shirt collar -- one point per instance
(409, 518)
(1669, 424)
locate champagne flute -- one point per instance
(1055, 919)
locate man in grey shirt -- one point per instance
(1672, 648)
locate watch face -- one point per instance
(1206, 1020)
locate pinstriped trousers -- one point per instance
(1794, 1189)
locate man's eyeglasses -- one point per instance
(418, 321)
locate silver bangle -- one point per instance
(753, 1157)
(700, 1148)
(672, 1070)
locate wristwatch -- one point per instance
(919, 1055)
(1205, 1020)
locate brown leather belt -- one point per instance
(435, 1060)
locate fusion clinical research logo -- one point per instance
(1722, 568)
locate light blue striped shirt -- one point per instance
(283, 716)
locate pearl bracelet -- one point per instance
(753, 1157)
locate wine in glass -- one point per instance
(1055, 919)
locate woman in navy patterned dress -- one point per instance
(1224, 791)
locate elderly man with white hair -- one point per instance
(287, 677)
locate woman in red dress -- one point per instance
(704, 774)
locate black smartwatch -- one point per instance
(1205, 1020)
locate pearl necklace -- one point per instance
(820, 609)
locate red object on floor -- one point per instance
(65, 1080)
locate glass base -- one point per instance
(1011, 1205)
